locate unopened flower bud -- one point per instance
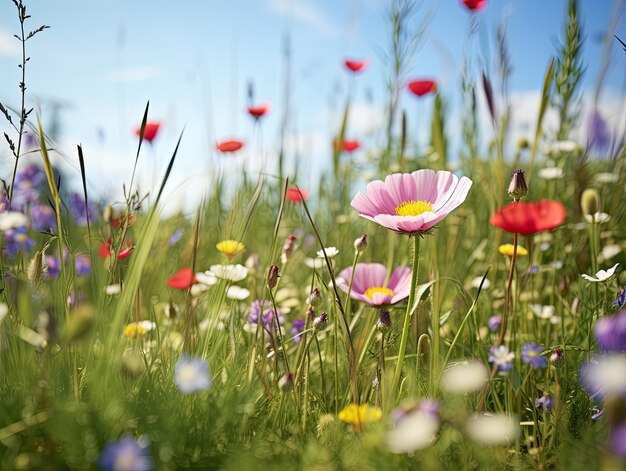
(285, 383)
(315, 298)
(383, 325)
(310, 312)
(288, 247)
(272, 277)
(360, 244)
(590, 202)
(557, 356)
(518, 187)
(320, 322)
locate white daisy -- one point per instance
(12, 220)
(492, 429)
(465, 376)
(232, 273)
(330, 252)
(602, 275)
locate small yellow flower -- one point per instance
(230, 248)
(358, 415)
(507, 249)
(134, 330)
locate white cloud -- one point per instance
(306, 12)
(134, 74)
(363, 118)
(9, 46)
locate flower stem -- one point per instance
(408, 313)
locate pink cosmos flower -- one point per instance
(369, 284)
(412, 203)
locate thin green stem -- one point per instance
(407, 316)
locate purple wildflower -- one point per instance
(545, 402)
(501, 357)
(611, 332)
(618, 439)
(531, 355)
(296, 328)
(621, 298)
(83, 265)
(534, 269)
(16, 240)
(176, 236)
(124, 455)
(43, 217)
(605, 375)
(27, 182)
(494, 323)
(598, 134)
(53, 266)
(266, 313)
(79, 210)
(192, 375)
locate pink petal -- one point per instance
(457, 197)
(425, 182)
(446, 183)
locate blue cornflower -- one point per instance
(125, 455)
(545, 402)
(15, 240)
(82, 264)
(43, 217)
(296, 328)
(53, 266)
(531, 355)
(79, 210)
(27, 183)
(621, 298)
(501, 357)
(192, 375)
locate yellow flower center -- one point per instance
(134, 330)
(357, 415)
(230, 248)
(413, 208)
(507, 249)
(378, 289)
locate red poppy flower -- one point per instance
(355, 66)
(150, 132)
(422, 87)
(349, 145)
(106, 248)
(119, 221)
(229, 146)
(297, 195)
(258, 111)
(529, 217)
(475, 4)
(182, 279)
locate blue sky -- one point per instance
(104, 60)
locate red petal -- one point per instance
(475, 4)
(529, 217)
(182, 279)
(104, 251)
(229, 146)
(422, 87)
(258, 111)
(355, 65)
(297, 195)
(150, 132)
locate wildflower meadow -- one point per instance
(440, 293)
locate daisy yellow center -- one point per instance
(413, 208)
(378, 289)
